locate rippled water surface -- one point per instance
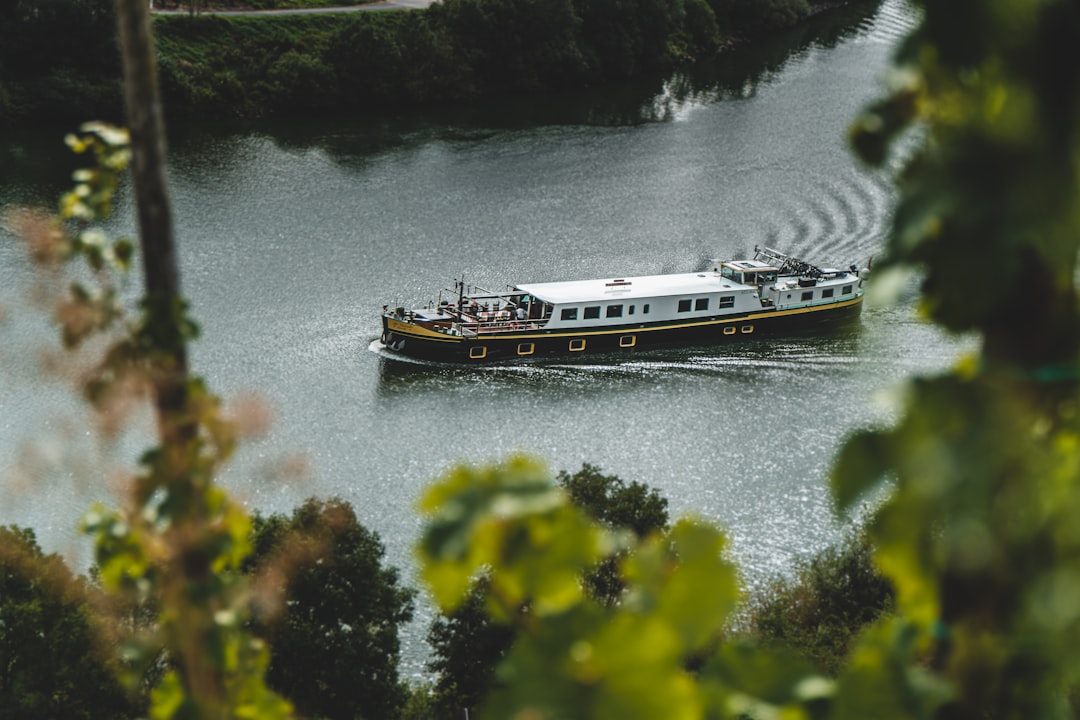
(294, 235)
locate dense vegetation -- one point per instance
(54, 659)
(468, 646)
(332, 612)
(216, 66)
(821, 607)
(325, 602)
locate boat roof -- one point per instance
(747, 264)
(643, 286)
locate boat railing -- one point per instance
(472, 329)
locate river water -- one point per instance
(294, 234)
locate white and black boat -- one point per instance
(771, 294)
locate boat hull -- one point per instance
(422, 343)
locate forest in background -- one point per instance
(59, 61)
(335, 638)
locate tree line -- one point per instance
(334, 626)
(60, 61)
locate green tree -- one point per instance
(334, 633)
(468, 646)
(609, 500)
(516, 45)
(821, 607)
(53, 663)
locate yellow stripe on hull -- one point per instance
(408, 330)
(717, 322)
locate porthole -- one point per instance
(526, 348)
(729, 330)
(478, 353)
(628, 341)
(747, 329)
(577, 345)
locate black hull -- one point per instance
(536, 344)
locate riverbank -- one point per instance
(244, 67)
(246, 7)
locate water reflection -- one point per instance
(739, 73)
(734, 74)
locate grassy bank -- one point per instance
(216, 66)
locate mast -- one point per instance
(461, 299)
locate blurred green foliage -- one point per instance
(467, 645)
(979, 530)
(176, 544)
(657, 652)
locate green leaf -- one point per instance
(512, 519)
(863, 460)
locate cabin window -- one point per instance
(592, 313)
(628, 341)
(729, 330)
(746, 329)
(569, 314)
(645, 309)
(577, 345)
(614, 311)
(631, 310)
(684, 305)
(526, 348)
(477, 353)
(827, 292)
(730, 274)
(727, 301)
(808, 295)
(701, 304)
(846, 290)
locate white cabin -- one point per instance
(726, 288)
